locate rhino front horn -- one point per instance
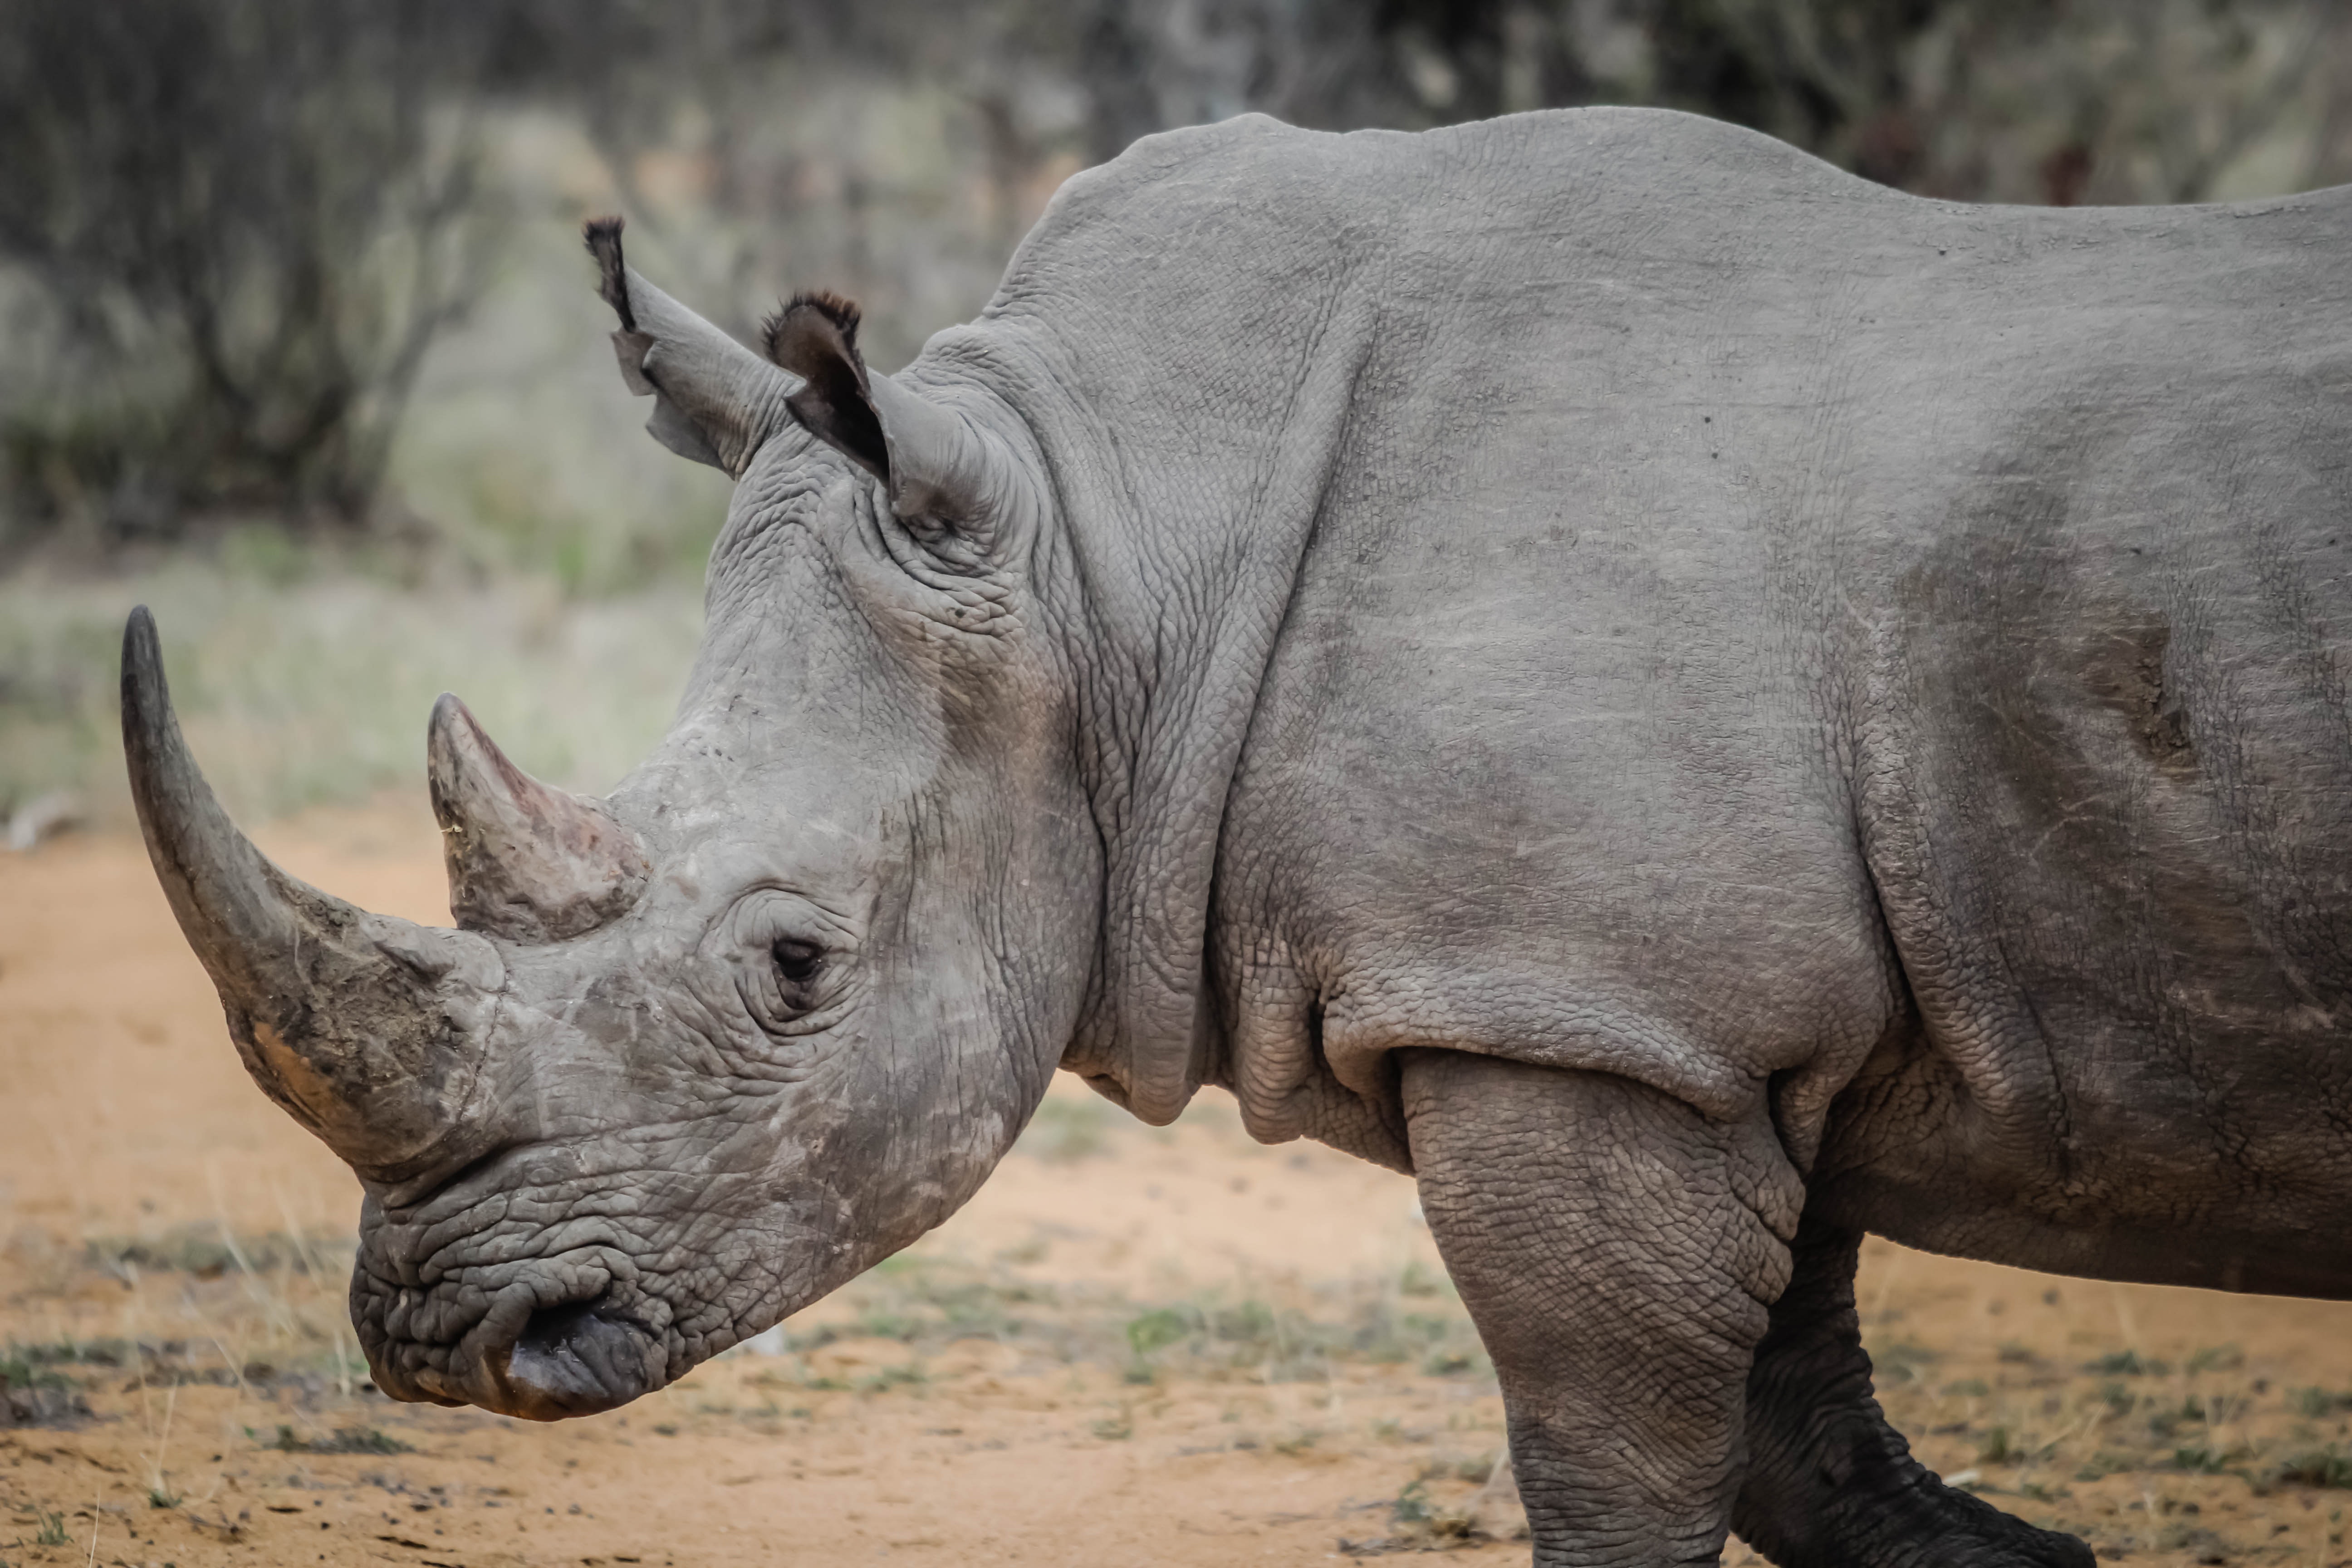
(527, 863)
(368, 1030)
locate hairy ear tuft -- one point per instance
(604, 237)
(816, 338)
(816, 324)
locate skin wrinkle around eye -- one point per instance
(764, 1038)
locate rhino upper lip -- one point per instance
(576, 1358)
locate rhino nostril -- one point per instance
(578, 1359)
(552, 1327)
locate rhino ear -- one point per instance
(934, 465)
(715, 401)
(816, 338)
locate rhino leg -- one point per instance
(1829, 1484)
(1620, 1253)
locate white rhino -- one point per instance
(1701, 706)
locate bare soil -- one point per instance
(1172, 1347)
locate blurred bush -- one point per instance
(303, 346)
(2011, 101)
(233, 229)
(238, 226)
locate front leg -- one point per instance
(1620, 1253)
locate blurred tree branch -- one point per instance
(248, 219)
(243, 224)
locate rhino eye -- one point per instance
(792, 964)
(798, 964)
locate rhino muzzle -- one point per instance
(377, 1034)
(560, 1335)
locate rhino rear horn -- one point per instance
(715, 401)
(371, 1031)
(527, 862)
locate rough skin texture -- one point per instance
(1702, 705)
(1828, 1484)
(1620, 1278)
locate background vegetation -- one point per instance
(303, 352)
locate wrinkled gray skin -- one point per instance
(1700, 705)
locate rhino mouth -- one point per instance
(548, 1362)
(579, 1359)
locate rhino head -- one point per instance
(697, 1053)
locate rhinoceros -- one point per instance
(1703, 707)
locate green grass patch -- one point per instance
(2314, 1404)
(343, 1440)
(2329, 1467)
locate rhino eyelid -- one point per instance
(753, 907)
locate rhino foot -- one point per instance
(1894, 1514)
(1829, 1483)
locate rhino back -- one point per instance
(1719, 551)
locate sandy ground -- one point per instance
(1171, 1347)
